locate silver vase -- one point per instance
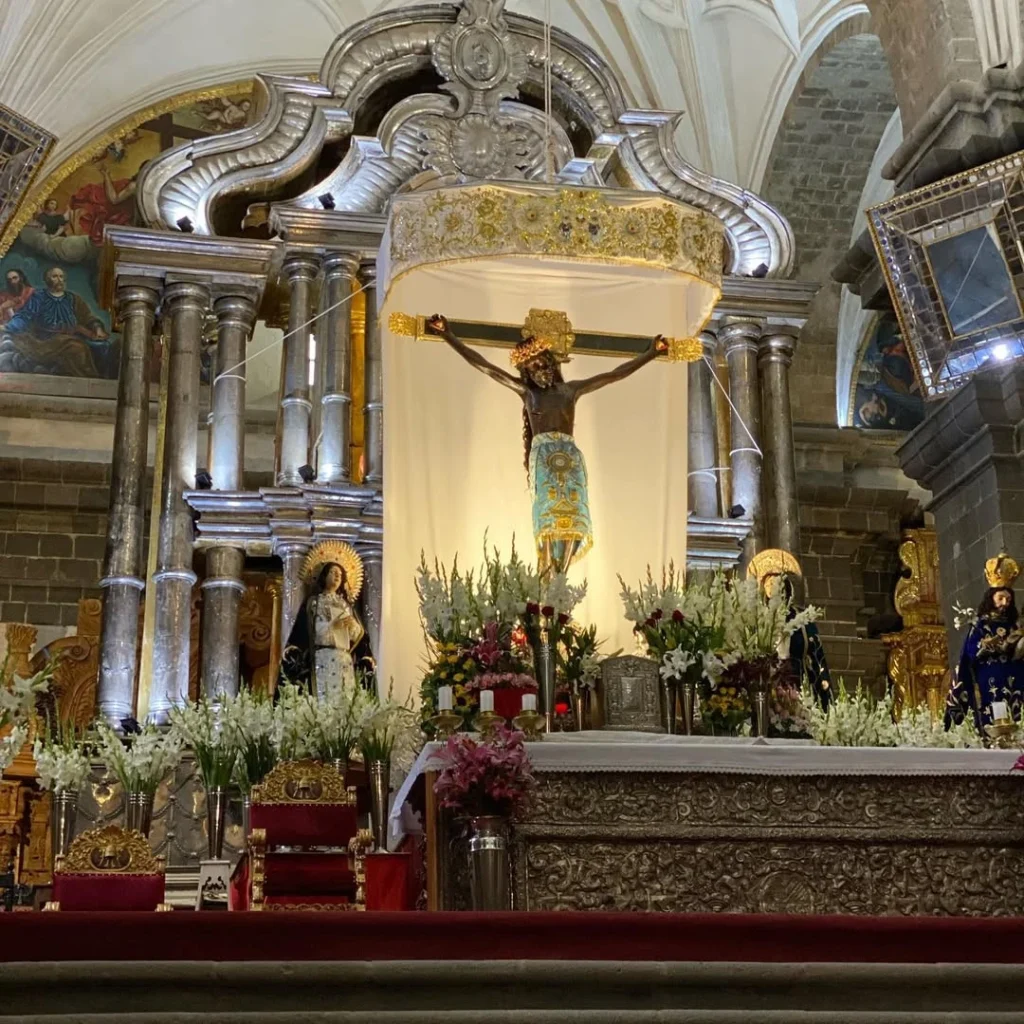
(488, 853)
(669, 698)
(581, 708)
(62, 825)
(380, 792)
(246, 812)
(688, 698)
(759, 703)
(138, 812)
(544, 669)
(340, 765)
(216, 818)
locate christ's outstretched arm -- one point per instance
(440, 324)
(583, 387)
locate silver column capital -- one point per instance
(235, 311)
(302, 267)
(136, 298)
(341, 264)
(182, 296)
(739, 335)
(368, 273)
(776, 346)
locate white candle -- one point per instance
(999, 710)
(444, 698)
(529, 702)
(486, 700)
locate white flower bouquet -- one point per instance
(61, 767)
(251, 722)
(140, 762)
(388, 731)
(200, 727)
(327, 730)
(18, 705)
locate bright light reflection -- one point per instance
(1001, 351)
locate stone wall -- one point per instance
(816, 174)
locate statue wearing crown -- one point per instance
(990, 669)
(558, 475)
(321, 648)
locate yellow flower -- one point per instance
(453, 659)
(468, 665)
(444, 674)
(459, 677)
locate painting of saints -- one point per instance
(887, 396)
(57, 331)
(17, 291)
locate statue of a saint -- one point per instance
(561, 510)
(989, 671)
(319, 653)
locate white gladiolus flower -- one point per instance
(140, 762)
(60, 768)
(11, 744)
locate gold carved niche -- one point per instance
(918, 656)
(259, 643)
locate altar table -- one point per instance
(696, 825)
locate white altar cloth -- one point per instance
(622, 751)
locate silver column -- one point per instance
(774, 360)
(740, 341)
(296, 408)
(703, 440)
(336, 402)
(373, 410)
(373, 591)
(223, 587)
(185, 305)
(123, 569)
(292, 590)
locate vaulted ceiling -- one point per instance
(78, 67)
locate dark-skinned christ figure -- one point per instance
(558, 475)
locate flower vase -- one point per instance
(760, 700)
(581, 708)
(138, 812)
(62, 825)
(669, 698)
(340, 765)
(216, 817)
(688, 698)
(246, 817)
(544, 669)
(380, 792)
(488, 852)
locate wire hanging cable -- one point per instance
(736, 413)
(230, 371)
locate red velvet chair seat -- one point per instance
(308, 874)
(305, 824)
(108, 892)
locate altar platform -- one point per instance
(692, 825)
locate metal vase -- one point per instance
(688, 698)
(340, 765)
(544, 669)
(216, 818)
(246, 812)
(380, 793)
(138, 812)
(62, 825)
(670, 697)
(488, 853)
(581, 708)
(759, 704)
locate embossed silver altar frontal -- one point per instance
(471, 222)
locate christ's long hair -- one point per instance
(524, 374)
(987, 608)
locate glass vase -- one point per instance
(488, 852)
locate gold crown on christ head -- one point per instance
(527, 350)
(1001, 571)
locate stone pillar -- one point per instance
(775, 356)
(292, 589)
(123, 581)
(185, 305)
(373, 590)
(223, 586)
(301, 272)
(336, 402)
(740, 340)
(703, 447)
(373, 410)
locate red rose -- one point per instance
(532, 609)
(657, 615)
(561, 709)
(649, 623)
(547, 610)
(563, 619)
(677, 616)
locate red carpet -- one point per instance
(283, 936)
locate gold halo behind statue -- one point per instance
(772, 565)
(342, 554)
(1001, 571)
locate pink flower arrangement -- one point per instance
(484, 777)
(502, 681)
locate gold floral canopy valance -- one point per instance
(609, 226)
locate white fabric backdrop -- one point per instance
(453, 462)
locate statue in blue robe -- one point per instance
(989, 671)
(807, 653)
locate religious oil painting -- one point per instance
(51, 321)
(887, 395)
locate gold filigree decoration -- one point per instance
(1001, 571)
(685, 350)
(303, 782)
(595, 225)
(552, 328)
(404, 325)
(110, 850)
(342, 554)
(768, 567)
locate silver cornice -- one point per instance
(757, 232)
